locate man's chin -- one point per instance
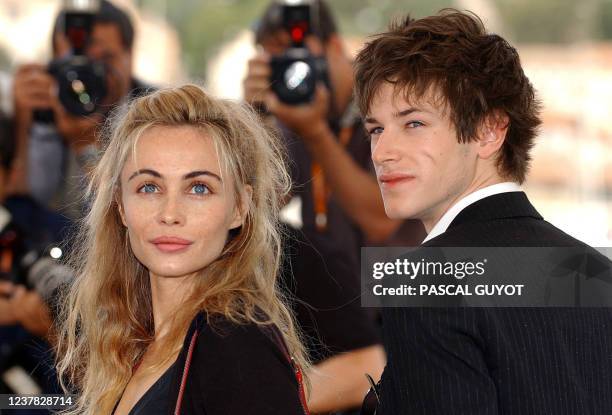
(401, 212)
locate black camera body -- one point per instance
(296, 73)
(81, 81)
(35, 265)
(12, 250)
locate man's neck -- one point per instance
(460, 203)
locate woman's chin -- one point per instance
(164, 272)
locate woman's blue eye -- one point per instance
(200, 189)
(148, 188)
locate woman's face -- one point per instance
(175, 204)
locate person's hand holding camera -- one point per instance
(31, 311)
(32, 90)
(78, 132)
(26, 307)
(256, 85)
(7, 315)
(309, 120)
(36, 89)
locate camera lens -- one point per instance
(296, 76)
(82, 84)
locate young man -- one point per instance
(452, 118)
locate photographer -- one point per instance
(341, 206)
(52, 146)
(25, 317)
(56, 147)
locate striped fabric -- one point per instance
(513, 361)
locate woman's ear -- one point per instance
(120, 206)
(242, 207)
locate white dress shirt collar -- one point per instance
(446, 219)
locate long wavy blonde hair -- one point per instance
(106, 319)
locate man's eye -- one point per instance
(147, 188)
(414, 124)
(200, 189)
(376, 131)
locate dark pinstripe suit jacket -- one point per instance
(517, 361)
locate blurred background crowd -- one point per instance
(566, 50)
(565, 46)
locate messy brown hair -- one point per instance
(478, 75)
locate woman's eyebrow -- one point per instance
(190, 175)
(201, 173)
(145, 171)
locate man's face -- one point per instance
(421, 167)
(276, 44)
(106, 46)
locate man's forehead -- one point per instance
(104, 33)
(276, 42)
(401, 96)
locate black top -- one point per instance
(512, 361)
(156, 400)
(234, 370)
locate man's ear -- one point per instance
(315, 45)
(492, 134)
(242, 207)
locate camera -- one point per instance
(295, 74)
(37, 266)
(81, 81)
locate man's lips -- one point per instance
(394, 179)
(171, 243)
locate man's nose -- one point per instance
(94, 51)
(384, 149)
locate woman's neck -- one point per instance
(167, 295)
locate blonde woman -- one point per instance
(175, 308)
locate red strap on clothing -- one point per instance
(299, 376)
(179, 400)
(277, 339)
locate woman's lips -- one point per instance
(172, 247)
(171, 244)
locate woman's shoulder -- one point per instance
(219, 329)
(219, 333)
(242, 348)
(229, 362)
